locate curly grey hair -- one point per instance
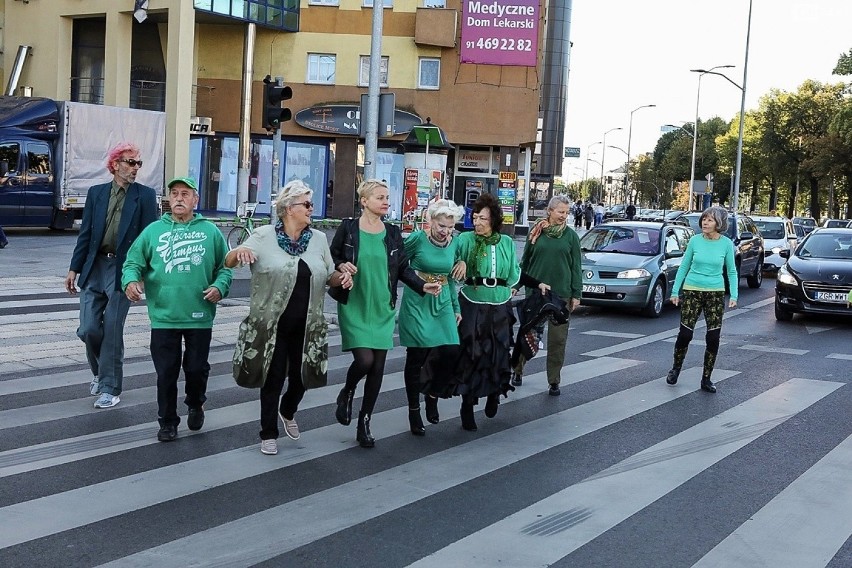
(445, 208)
(718, 215)
(288, 195)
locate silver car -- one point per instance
(778, 234)
(632, 264)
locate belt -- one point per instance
(432, 277)
(107, 254)
(487, 282)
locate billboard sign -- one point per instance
(500, 32)
(572, 152)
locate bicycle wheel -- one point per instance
(237, 236)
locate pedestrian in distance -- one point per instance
(589, 215)
(114, 215)
(372, 253)
(426, 322)
(599, 213)
(700, 275)
(552, 256)
(285, 335)
(178, 263)
(480, 367)
(630, 212)
(578, 212)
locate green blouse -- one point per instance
(498, 261)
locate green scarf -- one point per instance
(479, 245)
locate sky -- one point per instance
(630, 53)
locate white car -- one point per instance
(778, 234)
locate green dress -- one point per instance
(367, 318)
(429, 321)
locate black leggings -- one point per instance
(693, 303)
(369, 362)
(415, 357)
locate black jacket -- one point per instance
(344, 248)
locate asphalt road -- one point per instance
(621, 470)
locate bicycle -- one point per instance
(240, 232)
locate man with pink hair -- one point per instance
(114, 215)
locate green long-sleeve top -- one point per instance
(556, 262)
(701, 267)
(497, 261)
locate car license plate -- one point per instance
(594, 289)
(830, 297)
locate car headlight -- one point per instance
(785, 277)
(634, 273)
(776, 250)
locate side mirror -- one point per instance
(746, 236)
(674, 254)
(784, 253)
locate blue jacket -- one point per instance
(139, 211)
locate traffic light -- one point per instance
(273, 95)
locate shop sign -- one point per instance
(346, 119)
(472, 160)
(500, 32)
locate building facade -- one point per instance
(471, 68)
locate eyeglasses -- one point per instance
(305, 204)
(132, 163)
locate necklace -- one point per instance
(445, 244)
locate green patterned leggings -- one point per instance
(692, 303)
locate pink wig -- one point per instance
(116, 153)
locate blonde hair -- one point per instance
(367, 187)
(445, 208)
(288, 195)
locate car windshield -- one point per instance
(770, 229)
(835, 223)
(806, 221)
(694, 221)
(826, 246)
(673, 215)
(625, 240)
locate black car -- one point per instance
(807, 224)
(748, 245)
(817, 277)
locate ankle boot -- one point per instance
(364, 437)
(467, 419)
(492, 404)
(415, 422)
(431, 403)
(344, 406)
(707, 384)
(671, 378)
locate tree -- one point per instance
(844, 64)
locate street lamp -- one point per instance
(620, 149)
(736, 198)
(603, 156)
(690, 134)
(629, 140)
(701, 73)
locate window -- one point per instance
(9, 156)
(321, 68)
(429, 74)
(364, 75)
(278, 14)
(434, 3)
(369, 4)
(324, 2)
(38, 159)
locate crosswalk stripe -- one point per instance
(812, 514)
(841, 356)
(338, 508)
(586, 510)
(618, 334)
(773, 349)
(22, 522)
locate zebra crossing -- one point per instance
(574, 481)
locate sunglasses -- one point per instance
(132, 163)
(305, 204)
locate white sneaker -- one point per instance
(95, 387)
(107, 400)
(269, 447)
(290, 427)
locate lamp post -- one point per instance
(736, 197)
(629, 140)
(701, 73)
(603, 155)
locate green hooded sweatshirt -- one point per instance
(177, 262)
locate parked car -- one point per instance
(748, 245)
(632, 264)
(778, 234)
(615, 212)
(835, 223)
(817, 277)
(807, 223)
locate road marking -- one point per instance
(59, 512)
(613, 334)
(772, 349)
(584, 511)
(817, 329)
(811, 515)
(341, 507)
(843, 356)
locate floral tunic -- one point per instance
(273, 276)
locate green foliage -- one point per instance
(844, 64)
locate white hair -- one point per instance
(288, 195)
(445, 208)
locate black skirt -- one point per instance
(479, 365)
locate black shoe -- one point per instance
(554, 390)
(344, 407)
(671, 378)
(415, 422)
(492, 404)
(467, 419)
(707, 385)
(517, 380)
(195, 420)
(364, 437)
(431, 404)
(167, 433)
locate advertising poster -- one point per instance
(500, 32)
(422, 186)
(506, 195)
(409, 200)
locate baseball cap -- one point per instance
(185, 180)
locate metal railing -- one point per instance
(144, 94)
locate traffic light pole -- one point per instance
(276, 152)
(244, 165)
(371, 135)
